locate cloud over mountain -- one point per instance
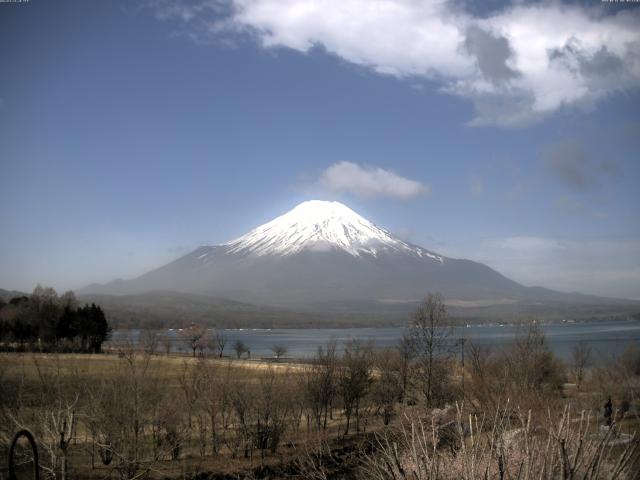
(365, 181)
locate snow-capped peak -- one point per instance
(321, 225)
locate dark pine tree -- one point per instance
(67, 327)
(99, 328)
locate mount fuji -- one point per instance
(323, 254)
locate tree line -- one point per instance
(46, 321)
(199, 341)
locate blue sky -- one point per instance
(132, 132)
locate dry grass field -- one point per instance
(30, 366)
(38, 387)
(360, 414)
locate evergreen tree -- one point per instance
(98, 329)
(46, 319)
(67, 327)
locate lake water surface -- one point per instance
(606, 338)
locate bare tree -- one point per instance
(240, 348)
(428, 334)
(533, 366)
(191, 380)
(319, 384)
(579, 361)
(355, 379)
(406, 355)
(272, 407)
(221, 342)
(485, 374)
(123, 412)
(165, 340)
(61, 426)
(242, 398)
(68, 300)
(54, 420)
(279, 350)
(45, 307)
(193, 335)
(149, 341)
(387, 389)
(203, 344)
(212, 401)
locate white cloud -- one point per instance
(518, 65)
(598, 267)
(365, 181)
(396, 37)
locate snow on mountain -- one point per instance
(321, 226)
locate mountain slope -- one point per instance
(323, 254)
(7, 295)
(159, 309)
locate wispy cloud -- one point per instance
(517, 65)
(366, 181)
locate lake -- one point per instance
(606, 338)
